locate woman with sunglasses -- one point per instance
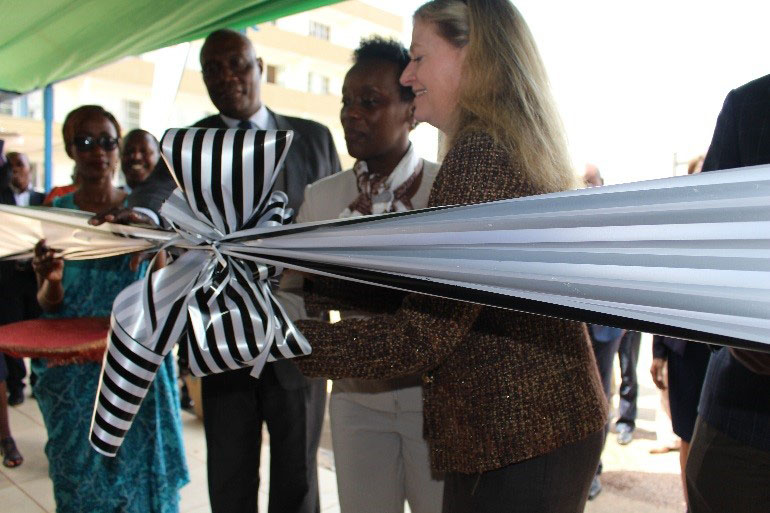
(150, 468)
(513, 405)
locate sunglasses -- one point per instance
(89, 143)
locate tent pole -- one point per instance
(48, 122)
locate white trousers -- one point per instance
(381, 459)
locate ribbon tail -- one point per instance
(259, 364)
(128, 369)
(132, 358)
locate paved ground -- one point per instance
(634, 481)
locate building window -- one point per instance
(319, 30)
(28, 106)
(17, 107)
(317, 84)
(132, 111)
(272, 73)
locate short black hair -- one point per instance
(140, 131)
(226, 33)
(379, 48)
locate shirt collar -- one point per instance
(404, 169)
(21, 198)
(261, 118)
(16, 190)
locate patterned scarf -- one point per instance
(392, 193)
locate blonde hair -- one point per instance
(504, 90)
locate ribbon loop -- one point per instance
(219, 304)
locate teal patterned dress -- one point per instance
(150, 467)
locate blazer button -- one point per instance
(427, 378)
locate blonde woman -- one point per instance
(513, 405)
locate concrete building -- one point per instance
(306, 56)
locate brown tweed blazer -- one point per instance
(499, 386)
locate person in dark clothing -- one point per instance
(728, 468)
(17, 280)
(18, 288)
(686, 364)
(605, 341)
(628, 355)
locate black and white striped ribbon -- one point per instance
(218, 305)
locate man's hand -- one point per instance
(122, 216)
(304, 274)
(138, 258)
(656, 369)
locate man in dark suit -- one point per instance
(728, 468)
(18, 286)
(234, 403)
(19, 191)
(237, 96)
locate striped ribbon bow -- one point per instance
(215, 301)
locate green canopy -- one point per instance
(44, 41)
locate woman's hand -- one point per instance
(656, 369)
(49, 270)
(46, 264)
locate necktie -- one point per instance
(246, 124)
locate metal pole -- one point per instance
(48, 144)
(23, 107)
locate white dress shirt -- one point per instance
(21, 198)
(262, 119)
